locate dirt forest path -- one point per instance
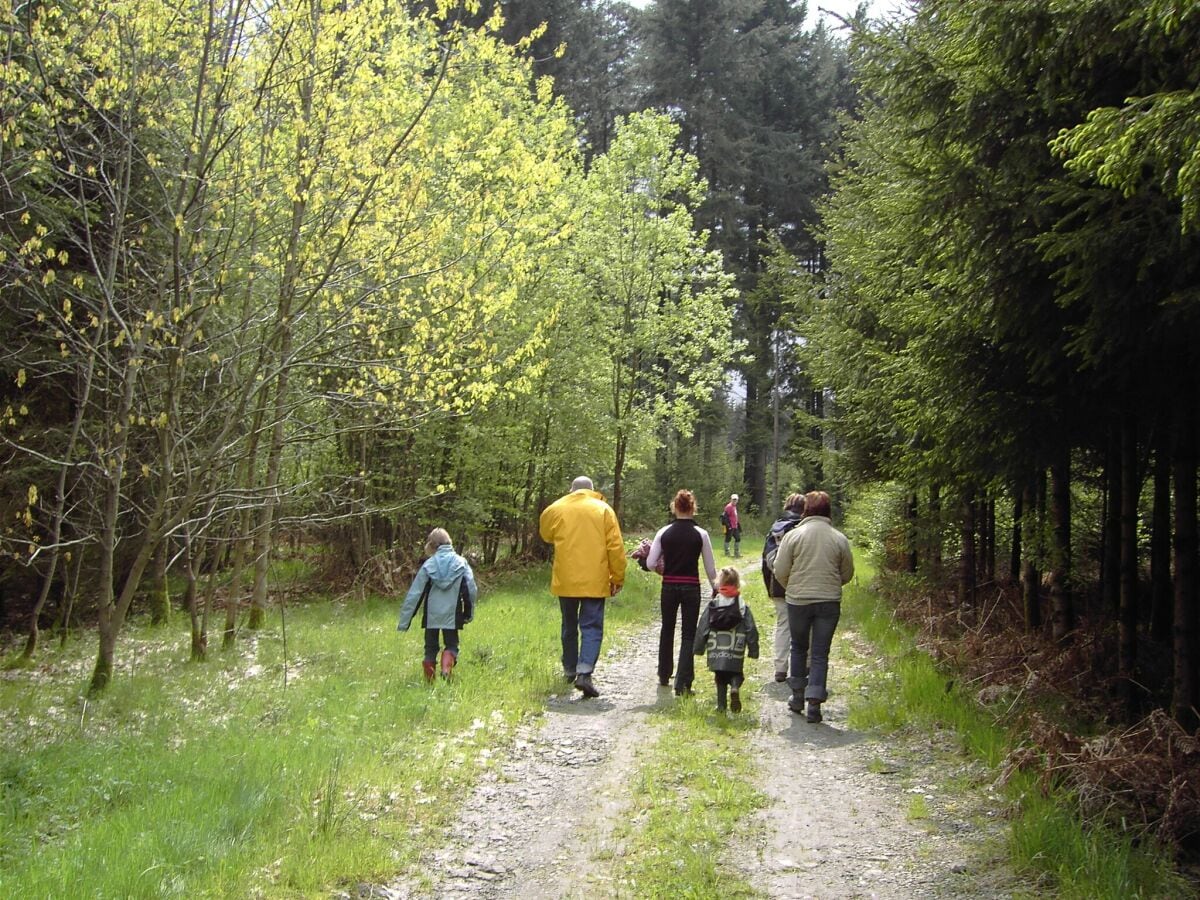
(838, 823)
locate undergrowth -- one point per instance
(1048, 838)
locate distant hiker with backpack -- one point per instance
(793, 510)
(727, 633)
(812, 564)
(733, 527)
(675, 553)
(445, 586)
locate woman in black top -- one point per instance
(678, 547)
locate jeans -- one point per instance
(812, 626)
(582, 632)
(783, 635)
(449, 637)
(684, 600)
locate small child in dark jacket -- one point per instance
(728, 633)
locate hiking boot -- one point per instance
(448, 661)
(583, 683)
(735, 700)
(570, 676)
(796, 704)
(814, 712)
(430, 670)
(781, 677)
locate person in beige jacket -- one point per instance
(813, 563)
(589, 567)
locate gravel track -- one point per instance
(840, 821)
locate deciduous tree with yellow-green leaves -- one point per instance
(270, 265)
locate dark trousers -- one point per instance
(727, 680)
(449, 638)
(812, 626)
(682, 600)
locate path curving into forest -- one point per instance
(839, 823)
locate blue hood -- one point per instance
(445, 566)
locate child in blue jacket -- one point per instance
(446, 584)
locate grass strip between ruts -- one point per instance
(693, 793)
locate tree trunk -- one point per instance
(1110, 554)
(618, 471)
(160, 595)
(1014, 555)
(70, 592)
(911, 530)
(967, 574)
(1162, 592)
(109, 614)
(1186, 689)
(1128, 620)
(934, 535)
(190, 596)
(1062, 610)
(81, 401)
(1031, 576)
(289, 286)
(266, 523)
(988, 534)
(818, 435)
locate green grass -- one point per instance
(226, 779)
(688, 804)
(904, 689)
(691, 808)
(216, 780)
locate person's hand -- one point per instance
(614, 589)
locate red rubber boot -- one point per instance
(448, 661)
(430, 669)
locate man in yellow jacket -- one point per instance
(589, 567)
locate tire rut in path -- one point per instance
(839, 821)
(537, 821)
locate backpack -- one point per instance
(774, 539)
(724, 518)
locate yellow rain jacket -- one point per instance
(589, 555)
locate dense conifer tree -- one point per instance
(756, 97)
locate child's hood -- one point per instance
(445, 566)
(719, 600)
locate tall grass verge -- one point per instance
(1047, 838)
(215, 780)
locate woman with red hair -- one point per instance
(679, 547)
